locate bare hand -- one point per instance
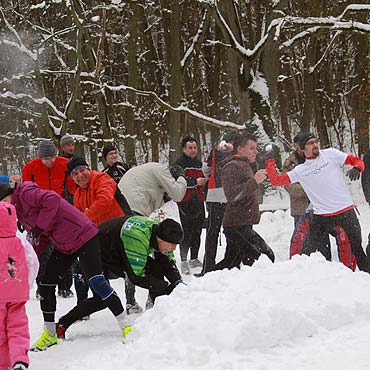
(15, 178)
(260, 176)
(224, 146)
(201, 181)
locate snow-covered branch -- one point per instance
(19, 44)
(196, 40)
(180, 109)
(41, 101)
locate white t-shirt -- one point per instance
(323, 181)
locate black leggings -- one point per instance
(321, 225)
(156, 270)
(59, 263)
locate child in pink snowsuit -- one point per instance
(18, 270)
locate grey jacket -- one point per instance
(144, 187)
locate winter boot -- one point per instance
(20, 366)
(45, 341)
(195, 263)
(185, 268)
(133, 308)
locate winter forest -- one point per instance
(144, 73)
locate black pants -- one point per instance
(82, 286)
(159, 267)
(215, 215)
(65, 282)
(244, 245)
(192, 219)
(59, 263)
(321, 225)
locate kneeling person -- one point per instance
(143, 249)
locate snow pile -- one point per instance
(229, 317)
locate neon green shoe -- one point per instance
(45, 341)
(125, 331)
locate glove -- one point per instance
(177, 171)
(34, 236)
(270, 151)
(354, 173)
(173, 285)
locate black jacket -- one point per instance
(115, 260)
(116, 171)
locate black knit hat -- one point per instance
(303, 137)
(108, 148)
(75, 163)
(170, 231)
(5, 190)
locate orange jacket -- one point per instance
(49, 178)
(97, 201)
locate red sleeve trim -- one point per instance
(355, 162)
(275, 179)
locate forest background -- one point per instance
(143, 73)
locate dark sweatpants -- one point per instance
(59, 263)
(321, 225)
(215, 215)
(159, 267)
(192, 219)
(244, 245)
(65, 281)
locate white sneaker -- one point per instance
(185, 268)
(195, 263)
(133, 308)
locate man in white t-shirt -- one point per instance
(321, 177)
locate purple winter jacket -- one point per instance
(67, 227)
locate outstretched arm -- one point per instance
(275, 179)
(355, 162)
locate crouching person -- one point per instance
(47, 216)
(143, 249)
(18, 269)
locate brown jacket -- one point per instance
(241, 191)
(298, 198)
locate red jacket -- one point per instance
(97, 201)
(49, 178)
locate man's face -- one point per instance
(164, 246)
(112, 157)
(190, 149)
(48, 161)
(249, 151)
(311, 148)
(81, 177)
(69, 148)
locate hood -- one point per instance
(8, 217)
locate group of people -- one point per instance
(96, 225)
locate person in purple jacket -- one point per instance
(47, 216)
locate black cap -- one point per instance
(170, 231)
(303, 137)
(187, 139)
(108, 148)
(75, 163)
(5, 190)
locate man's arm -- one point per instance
(355, 162)
(275, 179)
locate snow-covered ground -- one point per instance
(301, 314)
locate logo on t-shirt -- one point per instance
(317, 169)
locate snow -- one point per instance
(301, 314)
